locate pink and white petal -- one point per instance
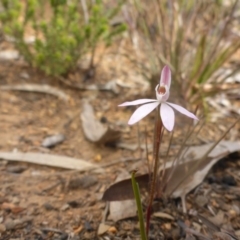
(137, 102)
(166, 77)
(182, 110)
(142, 112)
(168, 117)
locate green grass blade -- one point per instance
(139, 206)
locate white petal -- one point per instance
(182, 110)
(142, 112)
(137, 102)
(165, 78)
(168, 117)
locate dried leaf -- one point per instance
(41, 88)
(48, 160)
(102, 228)
(218, 219)
(94, 130)
(17, 223)
(122, 209)
(194, 179)
(163, 215)
(122, 190)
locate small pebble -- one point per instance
(53, 140)
(167, 226)
(98, 158)
(83, 182)
(112, 229)
(232, 213)
(48, 206)
(15, 200)
(65, 207)
(88, 226)
(201, 200)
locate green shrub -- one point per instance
(64, 30)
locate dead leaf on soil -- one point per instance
(102, 228)
(40, 88)
(217, 219)
(95, 131)
(123, 189)
(11, 224)
(122, 209)
(48, 160)
(163, 215)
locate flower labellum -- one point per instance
(166, 109)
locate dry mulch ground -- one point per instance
(39, 202)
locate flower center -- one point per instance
(161, 90)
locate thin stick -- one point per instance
(139, 141)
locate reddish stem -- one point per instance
(157, 141)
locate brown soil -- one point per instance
(50, 203)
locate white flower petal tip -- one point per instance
(183, 111)
(165, 78)
(168, 117)
(142, 112)
(137, 102)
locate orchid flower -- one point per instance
(166, 108)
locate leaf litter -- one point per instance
(42, 188)
(119, 210)
(28, 185)
(121, 190)
(192, 154)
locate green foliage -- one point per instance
(137, 197)
(194, 38)
(63, 35)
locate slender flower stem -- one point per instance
(157, 141)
